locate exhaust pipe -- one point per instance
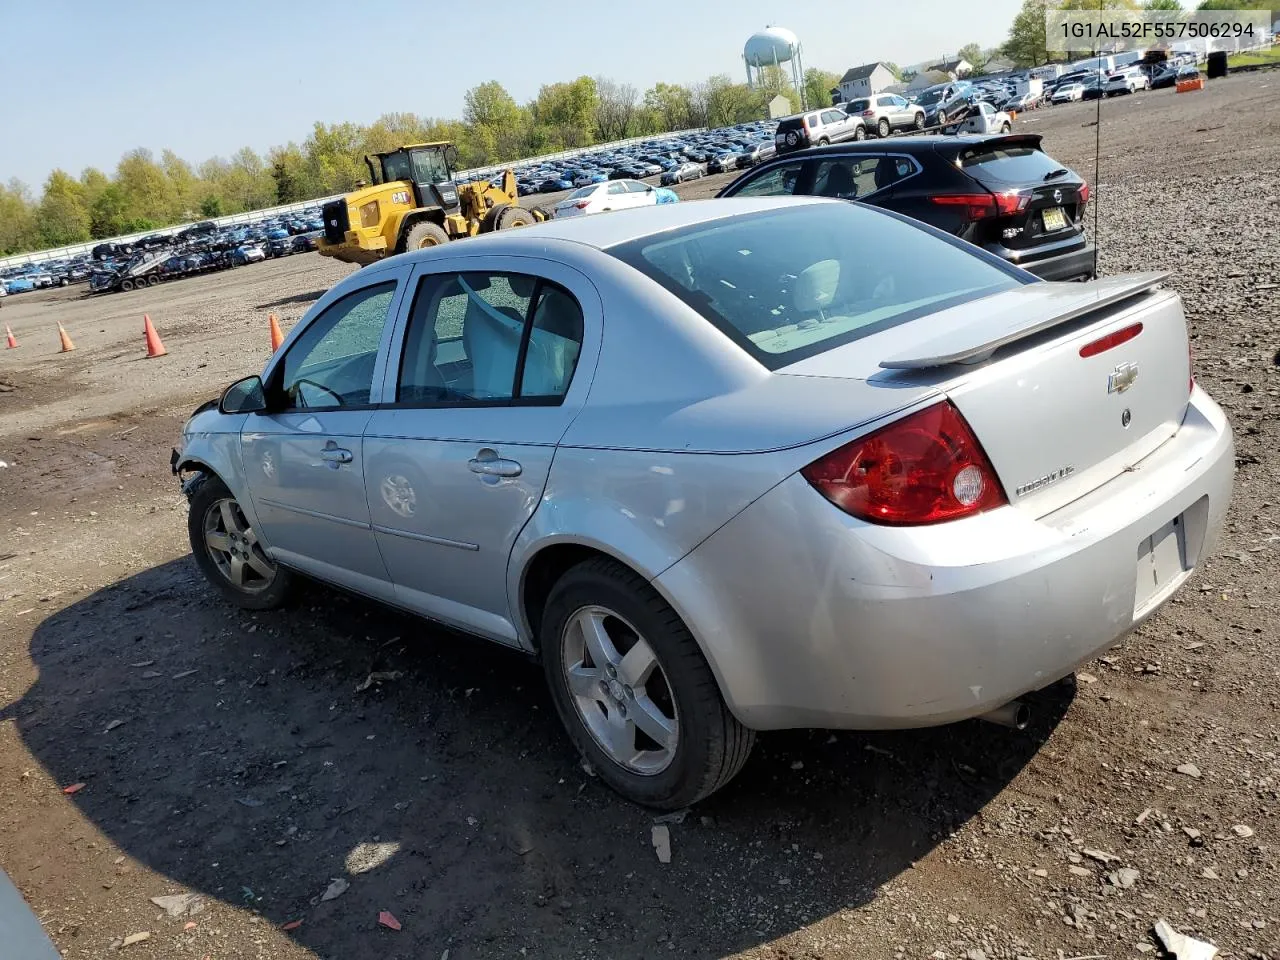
(1015, 714)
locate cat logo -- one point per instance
(400, 196)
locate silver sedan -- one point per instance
(727, 466)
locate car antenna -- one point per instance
(1097, 157)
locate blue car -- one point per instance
(20, 284)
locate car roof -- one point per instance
(622, 226)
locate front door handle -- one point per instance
(487, 463)
(335, 455)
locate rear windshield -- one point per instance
(1025, 165)
(857, 106)
(790, 123)
(788, 283)
(582, 192)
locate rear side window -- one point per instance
(792, 282)
(1009, 164)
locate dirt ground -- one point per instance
(248, 760)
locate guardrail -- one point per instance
(253, 216)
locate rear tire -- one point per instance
(823, 141)
(126, 286)
(515, 217)
(425, 234)
(1005, 128)
(882, 128)
(222, 546)
(152, 279)
(678, 688)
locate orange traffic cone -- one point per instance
(277, 337)
(154, 347)
(10, 341)
(67, 345)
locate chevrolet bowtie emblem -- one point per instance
(1122, 377)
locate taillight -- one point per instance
(582, 204)
(1191, 370)
(926, 468)
(868, 113)
(1112, 339)
(1084, 194)
(980, 206)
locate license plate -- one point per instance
(1161, 564)
(1054, 219)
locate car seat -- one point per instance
(839, 182)
(816, 287)
(491, 337)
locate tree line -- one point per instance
(145, 192)
(1027, 44)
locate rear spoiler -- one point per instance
(964, 150)
(1016, 315)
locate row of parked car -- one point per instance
(201, 248)
(161, 256)
(673, 158)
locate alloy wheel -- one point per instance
(234, 548)
(620, 691)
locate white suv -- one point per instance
(817, 128)
(1128, 80)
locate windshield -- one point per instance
(429, 166)
(794, 281)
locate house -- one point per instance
(957, 68)
(999, 65)
(928, 78)
(865, 81)
(779, 106)
(898, 88)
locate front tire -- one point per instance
(859, 133)
(633, 690)
(425, 234)
(515, 217)
(919, 121)
(227, 550)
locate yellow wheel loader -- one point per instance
(412, 202)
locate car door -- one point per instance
(303, 457)
(491, 364)
(615, 197)
(639, 194)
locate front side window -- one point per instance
(792, 282)
(468, 334)
(330, 365)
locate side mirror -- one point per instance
(244, 396)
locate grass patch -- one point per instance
(1255, 58)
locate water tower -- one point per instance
(775, 47)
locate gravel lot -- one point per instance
(250, 761)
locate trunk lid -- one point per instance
(1055, 424)
(1055, 205)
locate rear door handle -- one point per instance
(335, 455)
(487, 463)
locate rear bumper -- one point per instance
(1076, 265)
(810, 618)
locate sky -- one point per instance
(94, 80)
